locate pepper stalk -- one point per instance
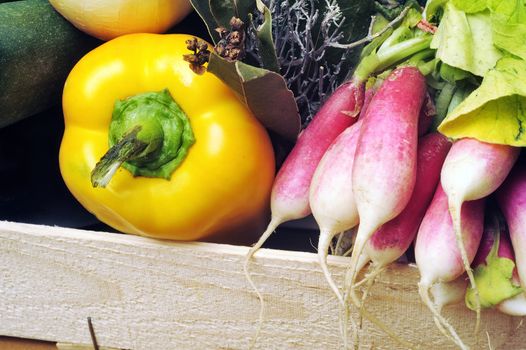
(149, 135)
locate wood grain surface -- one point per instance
(148, 294)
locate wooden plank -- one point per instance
(148, 294)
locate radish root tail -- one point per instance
(423, 289)
(274, 223)
(352, 270)
(350, 278)
(438, 308)
(369, 280)
(344, 322)
(367, 315)
(455, 210)
(442, 329)
(323, 247)
(350, 291)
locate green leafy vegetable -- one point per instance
(494, 278)
(443, 100)
(513, 10)
(470, 6)
(509, 25)
(508, 22)
(494, 283)
(465, 41)
(433, 9)
(397, 53)
(496, 111)
(452, 74)
(379, 23)
(486, 38)
(510, 35)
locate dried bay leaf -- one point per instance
(264, 92)
(202, 7)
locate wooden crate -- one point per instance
(148, 294)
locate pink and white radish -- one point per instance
(437, 253)
(384, 169)
(427, 113)
(331, 196)
(391, 241)
(494, 267)
(290, 191)
(515, 306)
(473, 170)
(449, 293)
(511, 197)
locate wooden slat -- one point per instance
(147, 294)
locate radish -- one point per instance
(384, 169)
(494, 267)
(290, 192)
(472, 170)
(331, 195)
(449, 293)
(515, 306)
(511, 197)
(436, 251)
(425, 119)
(289, 197)
(391, 241)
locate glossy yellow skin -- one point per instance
(222, 187)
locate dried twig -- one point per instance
(373, 36)
(92, 335)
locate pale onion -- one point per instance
(107, 19)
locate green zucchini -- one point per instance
(38, 48)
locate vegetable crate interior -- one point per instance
(261, 174)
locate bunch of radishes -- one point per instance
(367, 165)
(375, 172)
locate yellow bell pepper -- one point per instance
(151, 148)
